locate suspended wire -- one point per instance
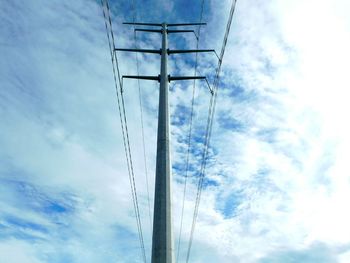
(134, 185)
(189, 134)
(209, 127)
(141, 114)
(123, 119)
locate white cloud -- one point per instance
(13, 251)
(284, 166)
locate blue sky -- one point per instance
(277, 184)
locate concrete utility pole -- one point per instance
(162, 239)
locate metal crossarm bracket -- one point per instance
(157, 78)
(160, 31)
(169, 51)
(170, 78)
(148, 30)
(168, 31)
(142, 24)
(180, 31)
(189, 51)
(141, 77)
(188, 24)
(154, 51)
(158, 24)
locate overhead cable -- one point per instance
(189, 139)
(209, 127)
(123, 119)
(141, 115)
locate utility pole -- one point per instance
(162, 239)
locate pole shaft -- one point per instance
(162, 239)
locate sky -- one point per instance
(278, 182)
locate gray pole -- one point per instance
(162, 239)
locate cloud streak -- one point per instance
(277, 182)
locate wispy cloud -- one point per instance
(277, 182)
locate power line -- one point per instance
(209, 127)
(123, 119)
(189, 134)
(134, 185)
(141, 114)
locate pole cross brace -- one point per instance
(154, 51)
(148, 30)
(180, 51)
(170, 78)
(158, 24)
(160, 31)
(142, 77)
(169, 51)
